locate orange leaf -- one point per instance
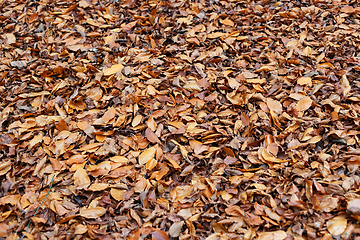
(10, 199)
(109, 114)
(113, 69)
(81, 179)
(147, 155)
(92, 213)
(303, 104)
(228, 22)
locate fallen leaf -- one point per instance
(336, 226)
(159, 235)
(303, 104)
(276, 235)
(147, 155)
(81, 179)
(113, 69)
(92, 213)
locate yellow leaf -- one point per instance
(113, 69)
(81, 179)
(147, 155)
(92, 213)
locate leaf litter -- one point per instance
(179, 119)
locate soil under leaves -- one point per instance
(179, 119)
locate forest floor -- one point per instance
(185, 119)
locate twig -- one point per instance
(27, 227)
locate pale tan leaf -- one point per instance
(315, 139)
(10, 38)
(37, 139)
(353, 206)
(92, 213)
(147, 155)
(136, 121)
(159, 235)
(10, 199)
(337, 225)
(117, 194)
(80, 229)
(113, 69)
(4, 230)
(277, 235)
(108, 115)
(227, 22)
(98, 186)
(328, 204)
(304, 81)
(307, 51)
(303, 104)
(119, 159)
(274, 105)
(81, 179)
(192, 86)
(216, 35)
(175, 229)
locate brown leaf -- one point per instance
(159, 235)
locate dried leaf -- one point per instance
(81, 179)
(159, 235)
(192, 86)
(147, 155)
(303, 104)
(92, 213)
(276, 235)
(113, 69)
(337, 225)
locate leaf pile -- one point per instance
(180, 119)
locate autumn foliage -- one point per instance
(179, 119)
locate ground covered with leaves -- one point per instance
(179, 119)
